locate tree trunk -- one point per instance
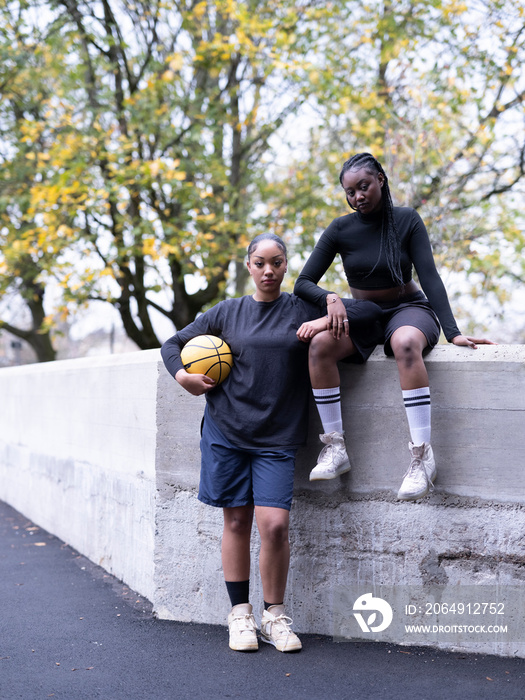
(41, 343)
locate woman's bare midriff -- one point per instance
(385, 294)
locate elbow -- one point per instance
(300, 285)
(165, 349)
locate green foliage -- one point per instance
(435, 89)
(143, 145)
(143, 131)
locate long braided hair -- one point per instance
(389, 235)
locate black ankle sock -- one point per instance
(239, 592)
(269, 605)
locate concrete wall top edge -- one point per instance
(127, 358)
(441, 353)
(452, 353)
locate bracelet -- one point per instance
(332, 301)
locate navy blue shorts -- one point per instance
(232, 476)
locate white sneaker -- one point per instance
(420, 474)
(333, 459)
(275, 629)
(428, 461)
(242, 627)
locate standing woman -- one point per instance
(253, 424)
(379, 245)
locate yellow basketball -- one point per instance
(209, 355)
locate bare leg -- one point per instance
(323, 356)
(274, 560)
(236, 543)
(236, 567)
(274, 557)
(407, 345)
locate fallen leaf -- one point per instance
(39, 544)
(489, 679)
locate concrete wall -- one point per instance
(77, 456)
(104, 453)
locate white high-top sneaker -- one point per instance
(420, 474)
(333, 459)
(428, 461)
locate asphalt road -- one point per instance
(70, 631)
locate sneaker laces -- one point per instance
(324, 452)
(330, 447)
(245, 622)
(283, 623)
(416, 464)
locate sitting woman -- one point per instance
(379, 245)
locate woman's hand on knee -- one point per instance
(310, 329)
(338, 319)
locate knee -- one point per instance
(239, 525)
(321, 347)
(275, 533)
(407, 351)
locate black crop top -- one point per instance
(357, 239)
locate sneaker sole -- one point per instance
(247, 647)
(412, 496)
(284, 651)
(327, 477)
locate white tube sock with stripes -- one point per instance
(328, 402)
(417, 406)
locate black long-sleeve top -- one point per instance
(357, 239)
